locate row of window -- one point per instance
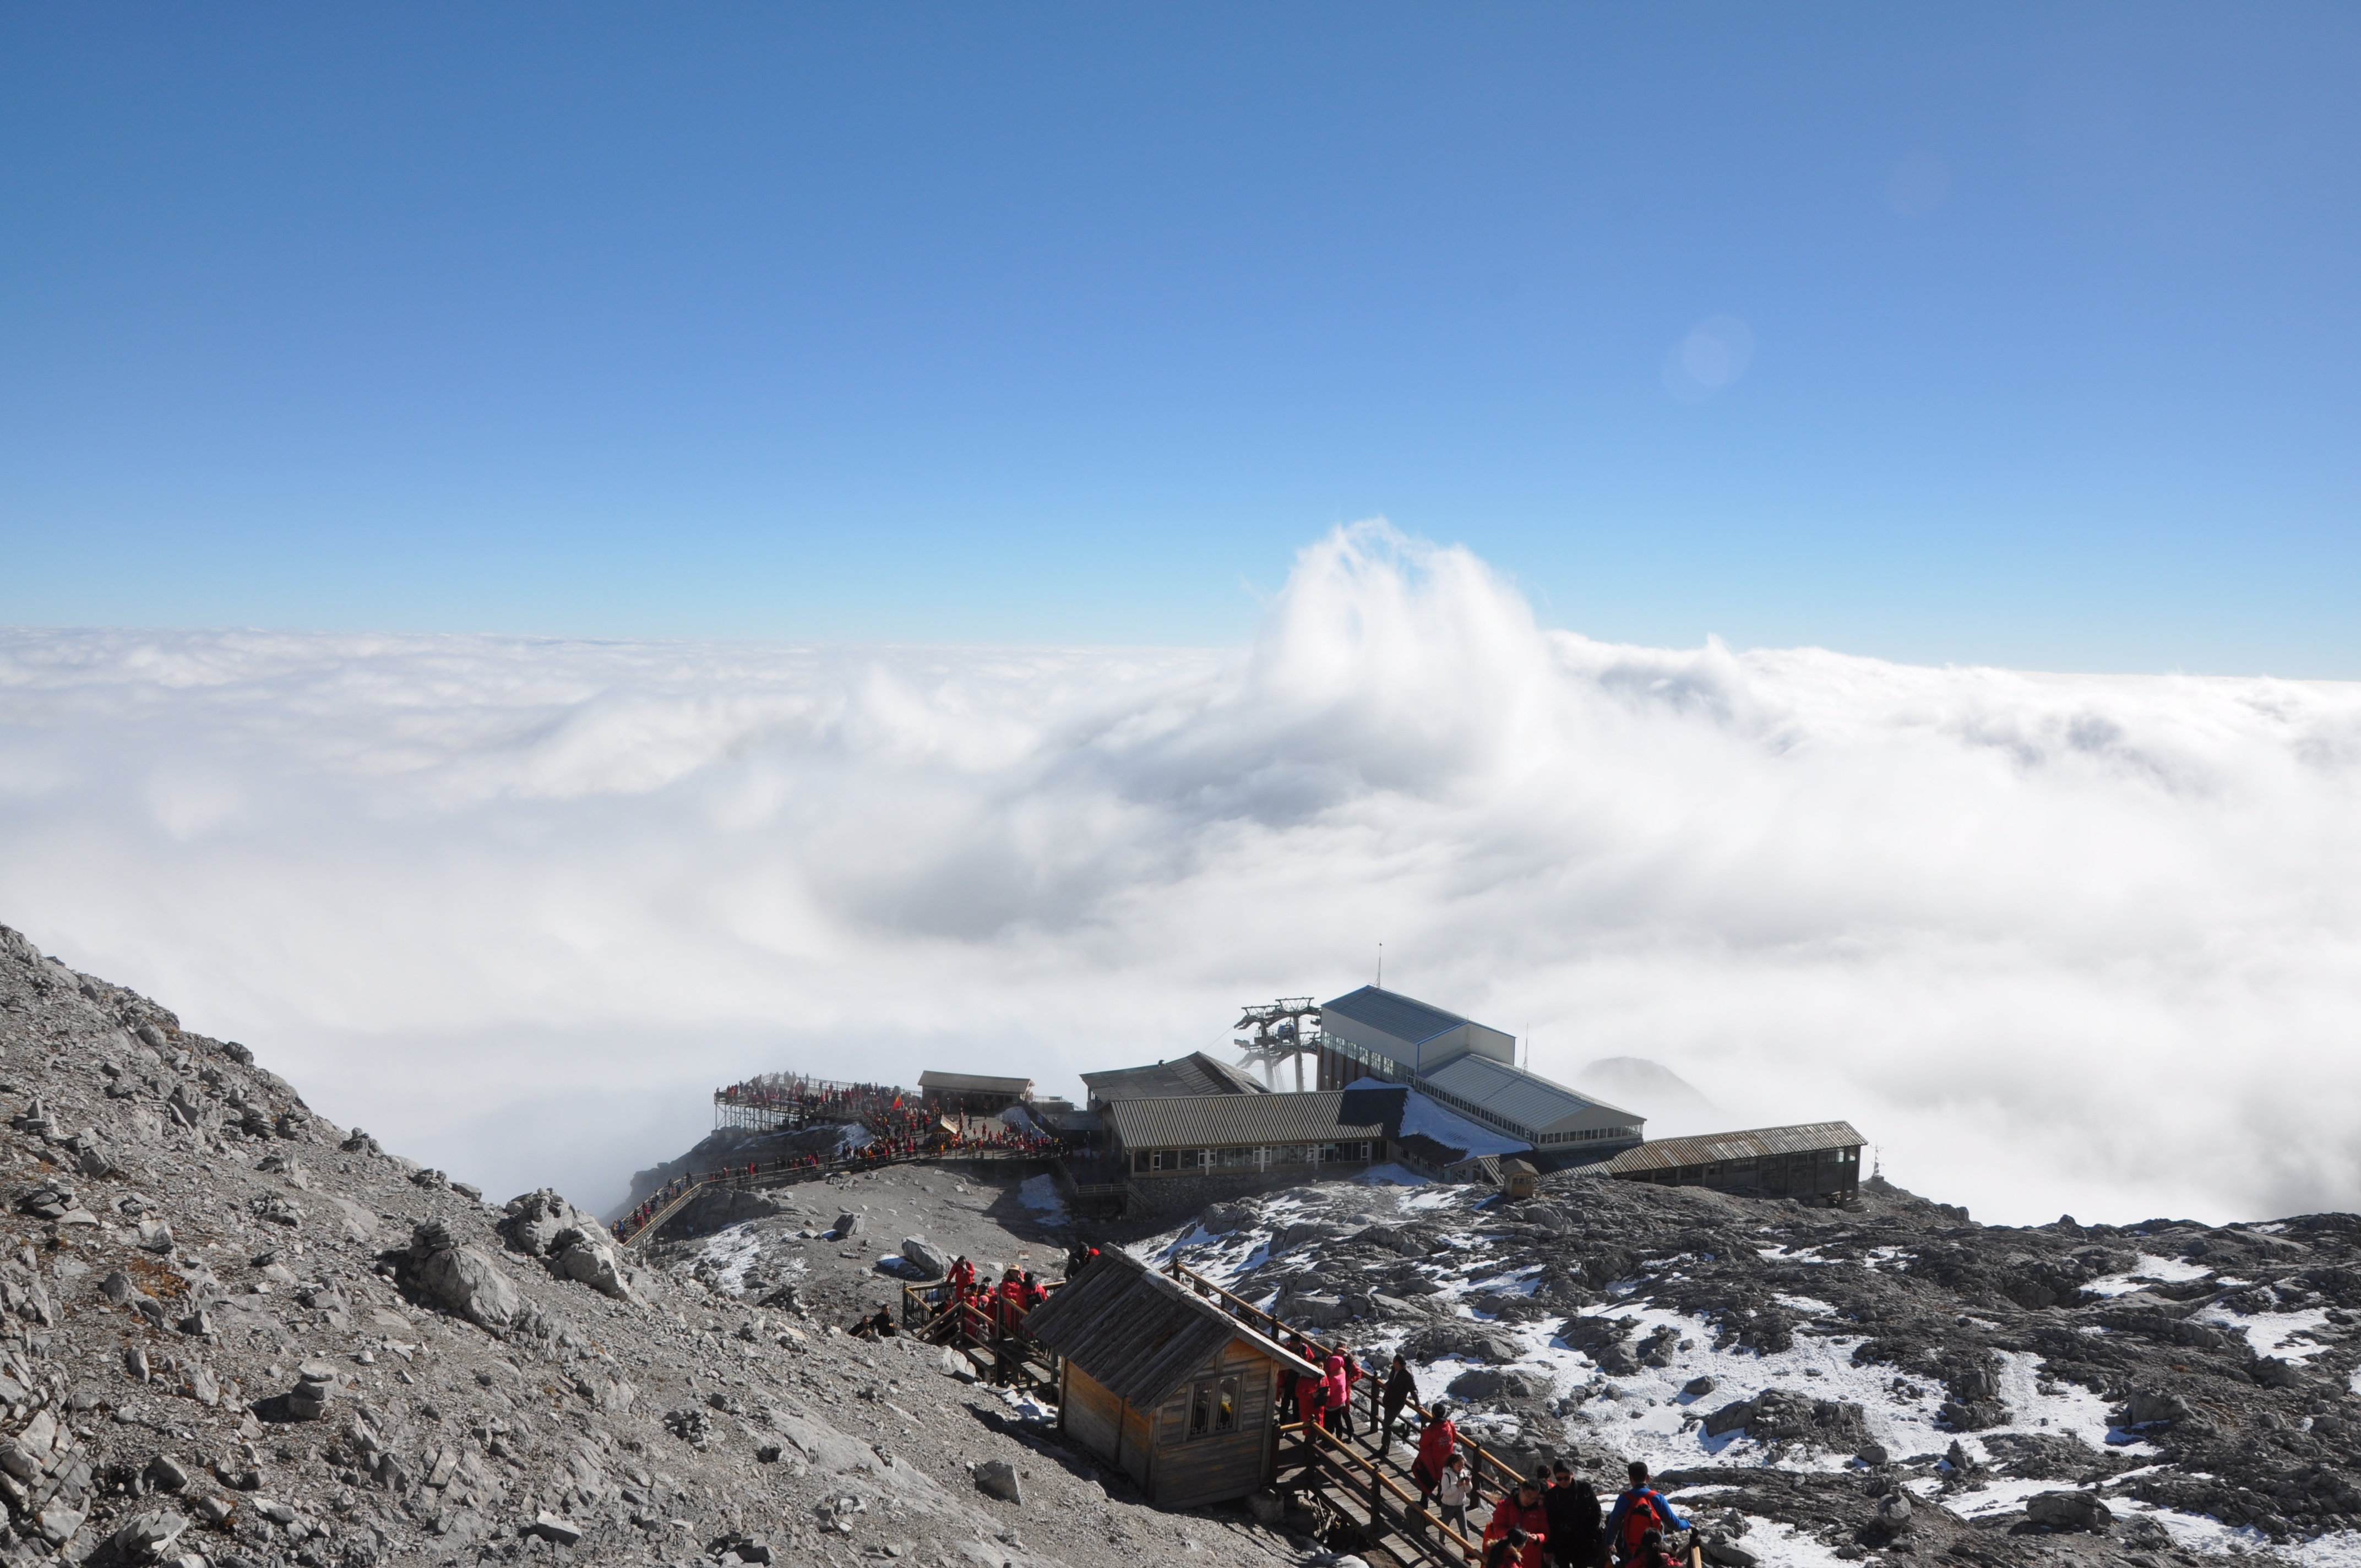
(1586, 1134)
(1143, 1161)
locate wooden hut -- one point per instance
(1164, 1385)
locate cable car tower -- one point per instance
(1286, 1027)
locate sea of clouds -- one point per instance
(2089, 944)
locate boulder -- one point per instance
(1221, 1219)
(585, 1259)
(559, 1531)
(2148, 1407)
(464, 1279)
(148, 1536)
(924, 1258)
(2273, 1372)
(2070, 1510)
(1496, 1383)
(848, 1224)
(1463, 1338)
(537, 1222)
(1266, 1506)
(1893, 1510)
(998, 1477)
(1726, 1554)
(1698, 1388)
(1782, 1414)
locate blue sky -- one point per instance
(1057, 325)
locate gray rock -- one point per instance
(537, 1223)
(552, 1528)
(1727, 1554)
(1495, 1383)
(848, 1223)
(469, 1282)
(1873, 1454)
(1695, 1387)
(1893, 1510)
(926, 1257)
(1221, 1219)
(1782, 1414)
(2146, 1407)
(998, 1477)
(2070, 1510)
(148, 1535)
(2273, 1372)
(586, 1258)
(1266, 1506)
(116, 1287)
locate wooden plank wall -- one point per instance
(1213, 1469)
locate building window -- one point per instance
(1139, 1161)
(1160, 1160)
(1213, 1407)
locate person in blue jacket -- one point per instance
(1639, 1509)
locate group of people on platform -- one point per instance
(1550, 1519)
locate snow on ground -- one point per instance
(1040, 1194)
(2149, 1270)
(729, 1253)
(1645, 1415)
(2271, 1334)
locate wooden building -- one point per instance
(1163, 1384)
(1243, 1135)
(1815, 1159)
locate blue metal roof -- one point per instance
(1413, 1022)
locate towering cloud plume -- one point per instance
(2087, 943)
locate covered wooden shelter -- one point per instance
(1164, 1385)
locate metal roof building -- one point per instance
(973, 1091)
(1526, 1105)
(1399, 1038)
(1248, 1120)
(1194, 1074)
(1812, 1158)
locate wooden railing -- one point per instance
(1489, 1466)
(971, 1324)
(1416, 1518)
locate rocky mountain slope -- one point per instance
(1890, 1380)
(234, 1334)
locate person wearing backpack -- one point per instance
(1575, 1537)
(1652, 1554)
(1436, 1443)
(1640, 1508)
(1455, 1491)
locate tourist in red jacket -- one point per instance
(1523, 1510)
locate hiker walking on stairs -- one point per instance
(1436, 1445)
(1639, 1509)
(1399, 1389)
(1577, 1538)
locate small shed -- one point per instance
(1162, 1384)
(1518, 1178)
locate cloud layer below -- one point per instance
(2055, 943)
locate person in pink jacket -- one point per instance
(1336, 1413)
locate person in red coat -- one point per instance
(1521, 1509)
(1436, 1443)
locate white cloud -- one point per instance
(2054, 942)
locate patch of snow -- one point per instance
(1391, 1174)
(2272, 1333)
(1040, 1194)
(2151, 1270)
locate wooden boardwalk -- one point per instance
(796, 1175)
(1375, 1496)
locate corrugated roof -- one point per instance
(1137, 1332)
(1221, 1121)
(975, 1083)
(1400, 1017)
(1524, 1098)
(1195, 1073)
(1713, 1148)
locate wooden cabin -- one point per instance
(1164, 1385)
(1518, 1178)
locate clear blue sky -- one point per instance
(1055, 324)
